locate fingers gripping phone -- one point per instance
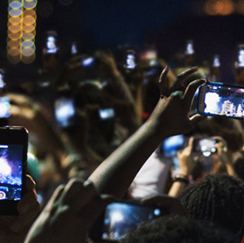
(13, 164)
(119, 217)
(224, 100)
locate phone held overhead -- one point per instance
(13, 164)
(223, 100)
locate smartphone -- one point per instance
(189, 48)
(204, 146)
(13, 164)
(88, 62)
(2, 84)
(74, 49)
(218, 99)
(65, 112)
(119, 217)
(51, 42)
(130, 62)
(216, 62)
(240, 61)
(170, 146)
(106, 113)
(4, 107)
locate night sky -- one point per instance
(108, 24)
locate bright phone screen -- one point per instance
(11, 171)
(224, 100)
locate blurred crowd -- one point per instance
(120, 127)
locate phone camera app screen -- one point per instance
(10, 172)
(225, 101)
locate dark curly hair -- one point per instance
(178, 229)
(219, 199)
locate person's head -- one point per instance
(239, 164)
(218, 199)
(180, 229)
(229, 129)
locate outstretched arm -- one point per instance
(170, 117)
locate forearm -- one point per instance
(116, 173)
(177, 188)
(121, 88)
(231, 171)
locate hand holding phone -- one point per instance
(13, 159)
(13, 229)
(74, 208)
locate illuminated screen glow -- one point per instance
(224, 101)
(171, 145)
(120, 218)
(10, 172)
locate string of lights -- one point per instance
(21, 31)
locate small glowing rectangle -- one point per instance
(3, 146)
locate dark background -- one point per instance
(94, 24)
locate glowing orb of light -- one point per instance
(14, 20)
(2, 195)
(5, 169)
(15, 12)
(117, 216)
(29, 4)
(15, 5)
(28, 59)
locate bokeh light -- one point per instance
(28, 36)
(29, 59)
(21, 31)
(15, 12)
(219, 7)
(28, 28)
(29, 20)
(14, 20)
(14, 36)
(13, 44)
(29, 13)
(13, 52)
(29, 4)
(14, 28)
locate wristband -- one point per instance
(180, 178)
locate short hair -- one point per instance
(180, 229)
(219, 199)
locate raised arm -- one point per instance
(170, 117)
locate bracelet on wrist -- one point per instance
(181, 178)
